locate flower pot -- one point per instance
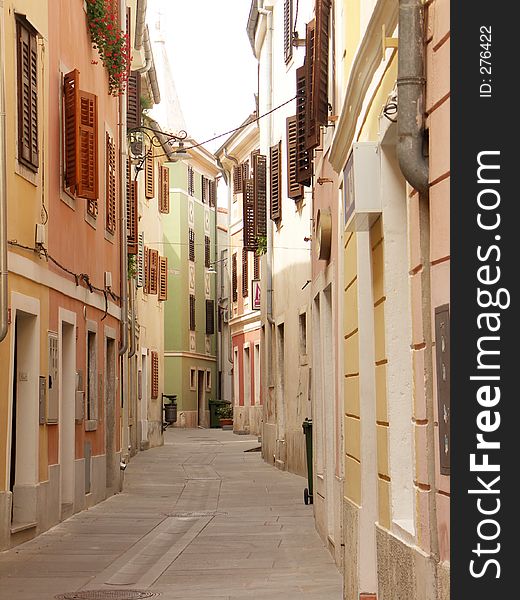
(224, 422)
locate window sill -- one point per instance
(26, 173)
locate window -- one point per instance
(192, 312)
(238, 179)
(80, 136)
(275, 183)
(287, 30)
(27, 58)
(303, 334)
(132, 215)
(163, 278)
(191, 244)
(208, 380)
(193, 378)
(164, 189)
(212, 193)
(204, 186)
(245, 274)
(133, 100)
(254, 202)
(140, 261)
(234, 281)
(256, 267)
(111, 186)
(155, 375)
(294, 189)
(146, 269)
(303, 161)
(191, 182)
(207, 251)
(210, 317)
(153, 271)
(149, 183)
(91, 376)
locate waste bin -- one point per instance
(307, 430)
(170, 408)
(214, 419)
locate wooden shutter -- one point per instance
(260, 194)
(238, 179)
(153, 261)
(245, 170)
(210, 317)
(287, 30)
(149, 181)
(312, 130)
(27, 96)
(204, 187)
(141, 267)
(163, 278)
(294, 189)
(320, 82)
(207, 251)
(275, 181)
(248, 215)
(245, 274)
(191, 184)
(131, 210)
(88, 165)
(191, 244)
(133, 101)
(192, 312)
(164, 190)
(256, 267)
(146, 269)
(111, 186)
(155, 375)
(71, 110)
(303, 162)
(212, 193)
(234, 278)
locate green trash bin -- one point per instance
(214, 420)
(307, 430)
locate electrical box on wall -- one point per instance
(362, 186)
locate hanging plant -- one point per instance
(110, 42)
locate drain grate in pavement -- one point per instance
(107, 595)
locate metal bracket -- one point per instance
(387, 42)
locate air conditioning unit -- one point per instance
(362, 186)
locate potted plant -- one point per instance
(225, 414)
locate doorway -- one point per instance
(201, 399)
(110, 412)
(67, 389)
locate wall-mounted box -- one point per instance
(362, 186)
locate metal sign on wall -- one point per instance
(255, 293)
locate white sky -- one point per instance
(212, 62)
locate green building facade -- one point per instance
(190, 324)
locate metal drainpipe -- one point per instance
(410, 85)
(122, 206)
(415, 168)
(132, 319)
(140, 19)
(4, 300)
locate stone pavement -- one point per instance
(198, 518)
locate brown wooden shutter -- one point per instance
(245, 170)
(163, 278)
(133, 101)
(27, 96)
(192, 312)
(88, 152)
(256, 267)
(320, 96)
(245, 274)
(312, 130)
(191, 184)
(303, 162)
(275, 182)
(155, 375)
(131, 210)
(210, 317)
(234, 277)
(248, 215)
(207, 251)
(146, 260)
(71, 110)
(260, 193)
(149, 180)
(110, 178)
(287, 30)
(294, 189)
(191, 244)
(212, 193)
(164, 190)
(238, 179)
(153, 261)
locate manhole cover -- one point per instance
(107, 595)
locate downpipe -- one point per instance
(4, 300)
(410, 97)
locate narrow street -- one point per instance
(198, 518)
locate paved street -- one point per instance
(199, 518)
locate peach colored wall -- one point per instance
(238, 342)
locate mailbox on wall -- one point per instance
(362, 186)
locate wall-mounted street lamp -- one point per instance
(212, 265)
